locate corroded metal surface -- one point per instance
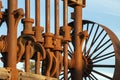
(30, 76)
(5, 74)
(71, 52)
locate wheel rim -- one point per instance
(99, 53)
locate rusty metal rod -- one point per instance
(65, 61)
(57, 32)
(37, 10)
(56, 17)
(27, 8)
(27, 57)
(12, 34)
(38, 29)
(65, 12)
(27, 21)
(47, 16)
(78, 46)
(57, 56)
(37, 63)
(65, 23)
(12, 39)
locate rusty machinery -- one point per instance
(75, 51)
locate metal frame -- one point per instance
(48, 48)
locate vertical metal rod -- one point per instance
(57, 32)
(37, 10)
(47, 16)
(65, 12)
(65, 23)
(27, 8)
(65, 61)
(12, 39)
(48, 38)
(37, 63)
(56, 17)
(37, 18)
(27, 21)
(78, 46)
(27, 57)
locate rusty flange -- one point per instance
(36, 47)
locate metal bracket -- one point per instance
(73, 3)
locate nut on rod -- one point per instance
(27, 21)
(48, 36)
(38, 29)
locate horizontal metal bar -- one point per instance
(104, 66)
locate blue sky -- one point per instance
(106, 12)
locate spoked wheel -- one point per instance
(101, 53)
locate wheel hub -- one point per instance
(87, 66)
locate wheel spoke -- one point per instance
(94, 76)
(91, 77)
(70, 54)
(98, 35)
(84, 50)
(61, 74)
(92, 40)
(69, 77)
(104, 55)
(103, 58)
(70, 48)
(85, 78)
(98, 48)
(88, 75)
(62, 78)
(101, 74)
(92, 43)
(88, 37)
(98, 45)
(95, 33)
(87, 26)
(102, 51)
(104, 66)
(91, 30)
(103, 44)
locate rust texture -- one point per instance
(12, 39)
(72, 52)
